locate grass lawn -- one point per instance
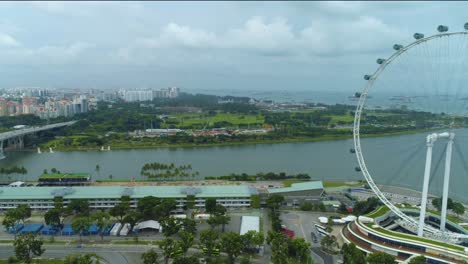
(384, 209)
(343, 118)
(38, 261)
(202, 119)
(331, 184)
(428, 241)
(288, 183)
(378, 212)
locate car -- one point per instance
(314, 237)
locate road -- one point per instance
(302, 223)
(114, 254)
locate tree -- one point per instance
(186, 260)
(164, 208)
(152, 207)
(79, 207)
(16, 215)
(255, 201)
(458, 208)
(380, 258)
(189, 225)
(210, 205)
(102, 220)
(274, 201)
(352, 255)
(150, 257)
(170, 226)
(52, 217)
(364, 207)
(170, 248)
(11, 218)
(27, 246)
(418, 260)
(329, 227)
(209, 241)
(58, 203)
(24, 212)
(81, 224)
(252, 239)
(329, 243)
(80, 259)
(299, 248)
(216, 220)
(186, 241)
(437, 203)
(119, 211)
(132, 218)
(279, 247)
(190, 201)
(231, 243)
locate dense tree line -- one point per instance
(260, 177)
(14, 169)
(161, 170)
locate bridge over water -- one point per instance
(16, 137)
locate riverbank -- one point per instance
(148, 145)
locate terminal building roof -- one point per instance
(114, 192)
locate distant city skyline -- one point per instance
(323, 46)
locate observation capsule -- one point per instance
(442, 28)
(357, 94)
(380, 61)
(418, 35)
(397, 47)
(357, 169)
(367, 77)
(466, 26)
(352, 150)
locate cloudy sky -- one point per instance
(208, 45)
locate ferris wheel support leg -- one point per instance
(448, 160)
(427, 173)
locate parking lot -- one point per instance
(302, 223)
(234, 226)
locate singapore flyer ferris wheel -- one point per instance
(431, 72)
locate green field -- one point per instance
(424, 240)
(202, 119)
(378, 212)
(333, 184)
(342, 118)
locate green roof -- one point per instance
(300, 186)
(63, 175)
(102, 192)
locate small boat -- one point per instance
(50, 150)
(103, 149)
(39, 151)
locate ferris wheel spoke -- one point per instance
(430, 73)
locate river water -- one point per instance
(395, 160)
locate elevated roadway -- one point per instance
(16, 137)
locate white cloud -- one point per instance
(46, 54)
(174, 34)
(7, 40)
(54, 7)
(322, 37)
(258, 34)
(363, 35)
